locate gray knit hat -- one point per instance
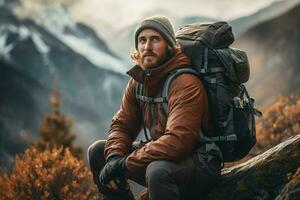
(160, 24)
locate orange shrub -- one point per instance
(54, 174)
(281, 120)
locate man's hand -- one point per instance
(112, 176)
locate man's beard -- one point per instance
(159, 62)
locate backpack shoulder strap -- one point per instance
(165, 92)
(138, 91)
(169, 80)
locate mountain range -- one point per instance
(33, 58)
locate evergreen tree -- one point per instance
(56, 128)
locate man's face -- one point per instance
(152, 48)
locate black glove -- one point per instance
(114, 169)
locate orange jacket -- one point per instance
(175, 135)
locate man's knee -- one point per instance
(95, 152)
(158, 172)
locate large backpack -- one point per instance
(222, 69)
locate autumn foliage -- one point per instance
(50, 174)
(281, 120)
(52, 168)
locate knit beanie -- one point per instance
(160, 24)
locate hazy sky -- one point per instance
(122, 12)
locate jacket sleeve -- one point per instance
(187, 104)
(126, 124)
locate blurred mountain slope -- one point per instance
(274, 54)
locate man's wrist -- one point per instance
(120, 160)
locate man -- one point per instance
(170, 164)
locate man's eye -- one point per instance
(142, 40)
(155, 39)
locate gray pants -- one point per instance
(186, 179)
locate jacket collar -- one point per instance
(154, 75)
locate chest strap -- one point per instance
(151, 99)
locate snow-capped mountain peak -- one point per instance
(56, 19)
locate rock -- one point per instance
(265, 176)
(291, 190)
(261, 177)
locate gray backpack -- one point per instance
(222, 69)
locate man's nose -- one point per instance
(148, 45)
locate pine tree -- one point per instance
(56, 128)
